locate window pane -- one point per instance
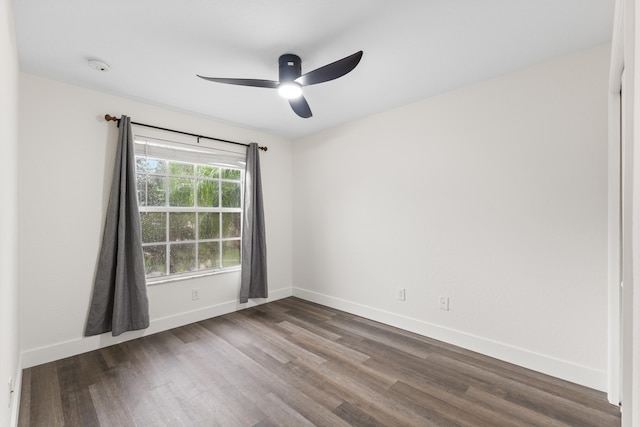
(151, 190)
(149, 165)
(156, 195)
(231, 253)
(208, 194)
(208, 171)
(182, 258)
(141, 164)
(181, 192)
(154, 226)
(156, 166)
(208, 225)
(176, 168)
(231, 174)
(231, 224)
(231, 194)
(208, 255)
(182, 226)
(155, 259)
(141, 186)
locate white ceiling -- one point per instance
(412, 49)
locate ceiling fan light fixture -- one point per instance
(291, 80)
(290, 90)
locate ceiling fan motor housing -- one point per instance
(290, 67)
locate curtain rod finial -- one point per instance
(263, 148)
(110, 118)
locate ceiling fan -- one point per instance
(291, 80)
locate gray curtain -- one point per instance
(119, 302)
(253, 282)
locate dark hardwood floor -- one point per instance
(295, 363)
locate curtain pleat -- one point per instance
(119, 302)
(253, 281)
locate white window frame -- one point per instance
(190, 150)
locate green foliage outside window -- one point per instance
(190, 216)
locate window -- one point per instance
(190, 212)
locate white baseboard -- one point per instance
(538, 362)
(15, 397)
(81, 345)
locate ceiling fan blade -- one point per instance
(243, 82)
(331, 71)
(301, 107)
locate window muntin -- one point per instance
(191, 217)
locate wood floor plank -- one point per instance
(308, 309)
(111, 409)
(296, 382)
(525, 415)
(209, 410)
(47, 408)
(438, 411)
(352, 392)
(396, 341)
(408, 367)
(221, 394)
(274, 337)
(282, 414)
(260, 379)
(355, 416)
(328, 349)
(311, 325)
(296, 363)
(24, 420)
(77, 405)
(240, 337)
(257, 389)
(367, 395)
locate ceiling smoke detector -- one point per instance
(98, 65)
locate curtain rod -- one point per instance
(110, 118)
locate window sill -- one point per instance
(161, 280)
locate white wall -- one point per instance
(9, 330)
(494, 195)
(67, 151)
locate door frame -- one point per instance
(614, 374)
(624, 301)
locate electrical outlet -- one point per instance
(195, 294)
(401, 294)
(444, 303)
